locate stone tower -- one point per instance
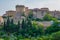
(20, 9)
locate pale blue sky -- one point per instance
(6, 5)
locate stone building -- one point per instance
(9, 13)
(40, 13)
(17, 15)
(27, 10)
(20, 9)
(55, 14)
(1, 20)
(23, 12)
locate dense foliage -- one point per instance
(29, 30)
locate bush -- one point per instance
(56, 36)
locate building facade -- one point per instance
(1, 20)
(40, 13)
(37, 13)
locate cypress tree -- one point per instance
(12, 21)
(8, 25)
(23, 22)
(18, 24)
(29, 23)
(4, 26)
(8, 21)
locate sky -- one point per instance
(6, 5)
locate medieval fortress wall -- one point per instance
(37, 13)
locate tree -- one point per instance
(12, 21)
(6, 25)
(53, 28)
(29, 23)
(18, 26)
(30, 15)
(23, 27)
(38, 29)
(56, 36)
(47, 17)
(8, 21)
(29, 26)
(9, 26)
(23, 24)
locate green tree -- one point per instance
(23, 24)
(47, 17)
(6, 24)
(53, 28)
(12, 21)
(23, 27)
(18, 27)
(30, 15)
(29, 26)
(9, 26)
(56, 36)
(38, 29)
(18, 24)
